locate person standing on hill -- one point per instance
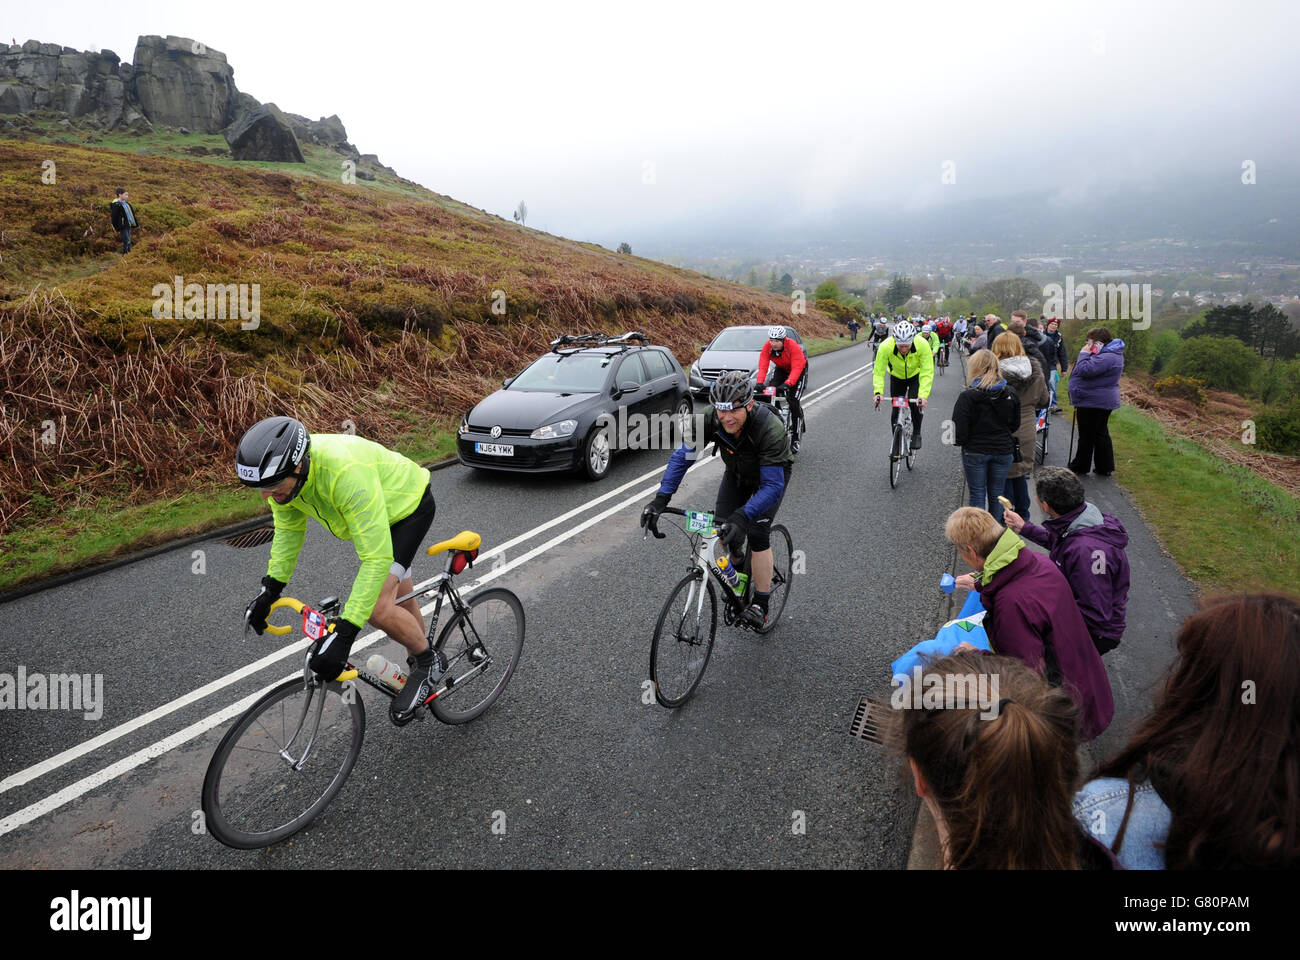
(1058, 361)
(1024, 375)
(1094, 391)
(123, 218)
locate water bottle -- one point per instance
(386, 671)
(947, 583)
(729, 574)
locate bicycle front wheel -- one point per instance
(282, 762)
(683, 639)
(482, 645)
(782, 575)
(896, 456)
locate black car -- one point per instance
(573, 407)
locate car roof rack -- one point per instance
(582, 341)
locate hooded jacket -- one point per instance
(1025, 376)
(986, 420)
(1095, 380)
(1032, 616)
(1088, 547)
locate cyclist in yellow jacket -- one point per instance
(910, 364)
(359, 491)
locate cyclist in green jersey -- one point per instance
(359, 491)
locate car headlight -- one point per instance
(554, 431)
(464, 424)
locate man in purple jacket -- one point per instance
(1088, 546)
(1094, 392)
(1032, 615)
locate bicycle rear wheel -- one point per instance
(683, 639)
(282, 762)
(782, 575)
(482, 644)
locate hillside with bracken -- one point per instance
(386, 306)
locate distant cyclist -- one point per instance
(879, 332)
(910, 365)
(756, 453)
(358, 491)
(787, 356)
(944, 328)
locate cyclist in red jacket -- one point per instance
(788, 357)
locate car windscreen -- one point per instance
(570, 373)
(740, 338)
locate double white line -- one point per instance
(126, 764)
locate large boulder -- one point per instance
(261, 135)
(181, 83)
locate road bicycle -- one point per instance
(900, 444)
(777, 396)
(941, 358)
(1042, 426)
(290, 753)
(688, 621)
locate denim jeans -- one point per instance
(1017, 491)
(986, 475)
(125, 234)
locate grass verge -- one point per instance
(1227, 528)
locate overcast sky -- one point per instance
(660, 120)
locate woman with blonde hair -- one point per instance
(1025, 375)
(985, 417)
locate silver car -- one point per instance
(735, 348)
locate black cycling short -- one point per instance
(409, 533)
(732, 496)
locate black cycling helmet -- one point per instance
(270, 451)
(731, 390)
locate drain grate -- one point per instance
(874, 721)
(251, 538)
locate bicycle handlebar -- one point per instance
(348, 673)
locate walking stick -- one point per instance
(1074, 416)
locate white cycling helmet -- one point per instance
(776, 333)
(927, 328)
(904, 331)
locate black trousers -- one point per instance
(1094, 441)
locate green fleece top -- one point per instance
(356, 489)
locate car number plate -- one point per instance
(495, 449)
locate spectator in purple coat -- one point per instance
(1032, 615)
(1094, 392)
(1088, 546)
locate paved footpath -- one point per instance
(1160, 597)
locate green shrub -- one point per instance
(1182, 388)
(1164, 347)
(1223, 363)
(1278, 429)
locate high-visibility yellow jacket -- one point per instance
(356, 489)
(919, 360)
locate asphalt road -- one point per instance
(581, 771)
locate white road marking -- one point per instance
(125, 765)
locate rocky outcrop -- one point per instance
(182, 83)
(45, 76)
(174, 82)
(260, 134)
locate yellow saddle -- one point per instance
(465, 540)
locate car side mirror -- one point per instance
(628, 386)
(507, 381)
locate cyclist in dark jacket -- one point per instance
(755, 450)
